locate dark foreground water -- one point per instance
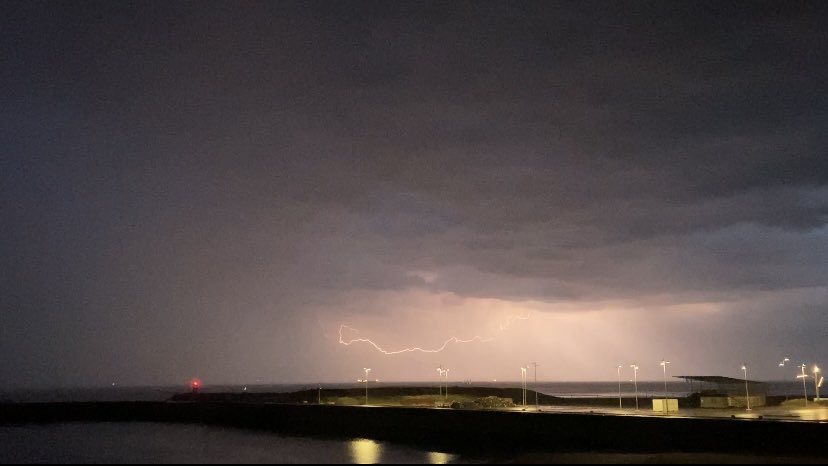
(184, 443)
(180, 443)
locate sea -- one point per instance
(120, 443)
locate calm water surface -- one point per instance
(174, 443)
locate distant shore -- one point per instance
(377, 396)
(430, 396)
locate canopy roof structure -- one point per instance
(717, 379)
(718, 385)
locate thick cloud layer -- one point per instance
(214, 189)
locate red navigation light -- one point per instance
(196, 383)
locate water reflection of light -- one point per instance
(435, 457)
(364, 451)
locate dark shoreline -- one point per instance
(473, 433)
(311, 396)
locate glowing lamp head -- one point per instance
(195, 385)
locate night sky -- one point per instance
(212, 189)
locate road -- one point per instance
(775, 413)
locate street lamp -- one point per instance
(747, 392)
(803, 376)
(619, 385)
(535, 365)
(634, 367)
(782, 365)
(443, 372)
(440, 378)
(664, 365)
(817, 382)
(523, 384)
(367, 370)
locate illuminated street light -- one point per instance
(782, 365)
(367, 370)
(747, 392)
(440, 377)
(523, 383)
(634, 367)
(443, 372)
(803, 376)
(619, 385)
(817, 382)
(535, 365)
(664, 365)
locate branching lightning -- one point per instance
(511, 319)
(406, 350)
(417, 349)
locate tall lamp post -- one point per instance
(619, 385)
(817, 382)
(523, 384)
(367, 370)
(782, 365)
(535, 365)
(634, 367)
(803, 376)
(664, 365)
(440, 380)
(747, 392)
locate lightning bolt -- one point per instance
(417, 349)
(511, 319)
(406, 350)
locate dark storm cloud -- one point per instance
(194, 172)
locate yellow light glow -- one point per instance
(365, 451)
(436, 457)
